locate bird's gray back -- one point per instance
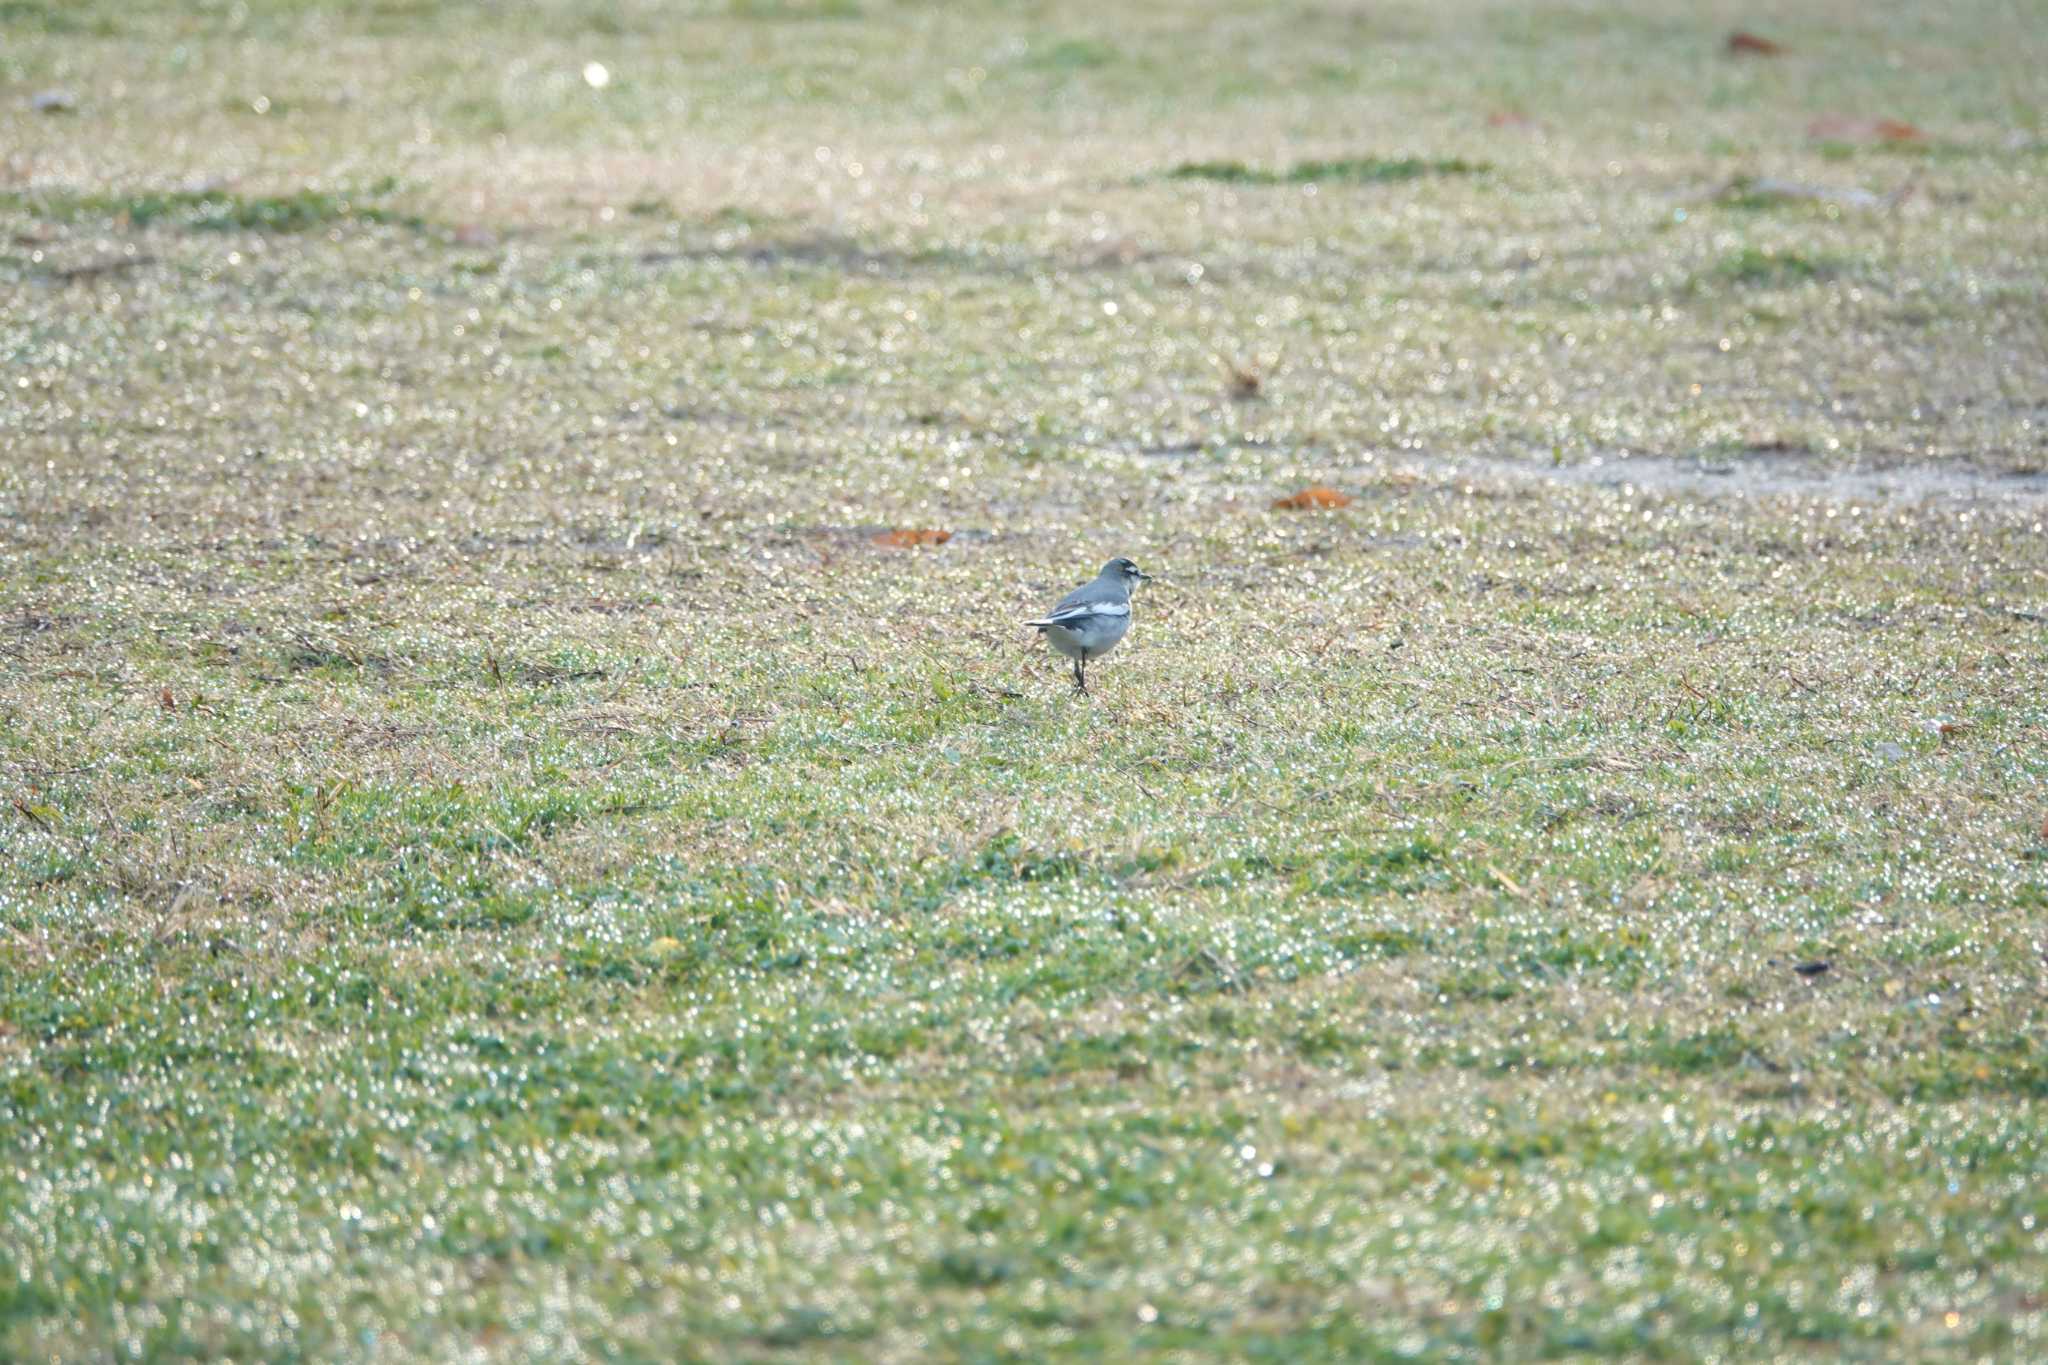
(1105, 588)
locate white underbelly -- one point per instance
(1091, 641)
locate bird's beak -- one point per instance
(1144, 577)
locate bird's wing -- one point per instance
(1071, 613)
(1096, 592)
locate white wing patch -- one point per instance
(1088, 611)
(1092, 608)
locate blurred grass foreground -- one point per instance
(530, 827)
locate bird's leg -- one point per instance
(1080, 678)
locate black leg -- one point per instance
(1080, 677)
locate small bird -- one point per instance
(1090, 620)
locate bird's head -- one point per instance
(1124, 569)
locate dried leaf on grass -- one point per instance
(1312, 498)
(1745, 44)
(1851, 128)
(904, 537)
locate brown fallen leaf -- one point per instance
(1513, 118)
(1849, 128)
(1742, 43)
(2044, 827)
(165, 700)
(904, 537)
(475, 234)
(1312, 498)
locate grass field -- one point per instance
(498, 861)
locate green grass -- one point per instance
(300, 210)
(1367, 170)
(1773, 269)
(498, 862)
(51, 17)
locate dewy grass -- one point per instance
(1774, 269)
(216, 210)
(504, 856)
(1358, 170)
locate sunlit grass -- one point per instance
(502, 857)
